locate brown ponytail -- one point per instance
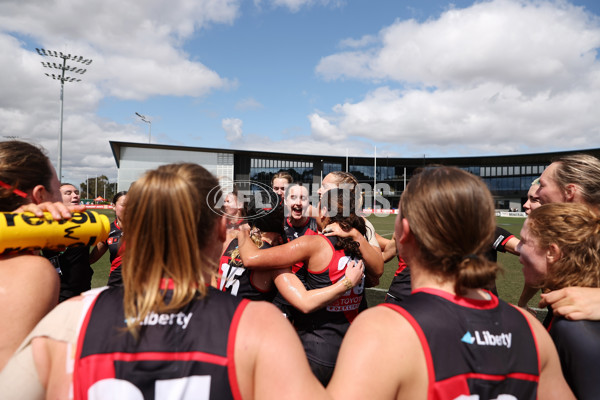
(451, 215)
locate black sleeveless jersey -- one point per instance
(400, 287)
(292, 232)
(578, 345)
(73, 266)
(473, 347)
(179, 354)
(321, 331)
(237, 280)
(114, 240)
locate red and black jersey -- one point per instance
(293, 232)
(400, 287)
(322, 331)
(578, 345)
(179, 354)
(310, 227)
(115, 278)
(236, 279)
(114, 240)
(473, 347)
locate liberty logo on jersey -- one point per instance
(485, 338)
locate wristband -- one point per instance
(347, 283)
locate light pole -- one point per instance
(146, 120)
(62, 78)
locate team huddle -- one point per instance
(266, 299)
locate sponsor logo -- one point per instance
(179, 318)
(485, 338)
(345, 304)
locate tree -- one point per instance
(98, 186)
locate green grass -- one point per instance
(102, 266)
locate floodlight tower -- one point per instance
(60, 76)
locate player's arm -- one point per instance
(98, 251)
(293, 290)
(505, 241)
(511, 245)
(34, 293)
(38, 369)
(298, 250)
(271, 363)
(383, 242)
(527, 294)
(390, 251)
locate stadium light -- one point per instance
(146, 120)
(60, 76)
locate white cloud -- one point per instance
(361, 42)
(495, 77)
(248, 104)
(296, 5)
(135, 47)
(137, 53)
(232, 128)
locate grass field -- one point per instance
(509, 283)
(102, 266)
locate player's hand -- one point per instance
(336, 230)
(58, 209)
(242, 233)
(355, 271)
(574, 303)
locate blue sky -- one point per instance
(413, 78)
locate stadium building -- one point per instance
(508, 176)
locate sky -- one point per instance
(407, 78)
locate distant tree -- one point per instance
(98, 186)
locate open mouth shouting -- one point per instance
(296, 211)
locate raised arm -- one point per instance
(293, 290)
(301, 249)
